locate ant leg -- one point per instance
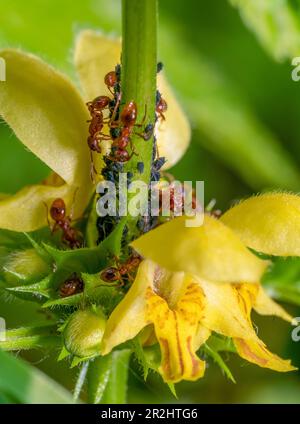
(93, 170)
(116, 108)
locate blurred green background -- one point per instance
(230, 65)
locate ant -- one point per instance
(161, 106)
(58, 214)
(71, 286)
(111, 80)
(128, 121)
(117, 273)
(97, 121)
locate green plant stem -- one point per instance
(138, 80)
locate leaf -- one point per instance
(116, 390)
(139, 353)
(37, 292)
(27, 384)
(98, 376)
(90, 260)
(275, 23)
(218, 359)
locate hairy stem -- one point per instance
(139, 62)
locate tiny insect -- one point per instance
(71, 286)
(161, 108)
(111, 80)
(70, 235)
(121, 271)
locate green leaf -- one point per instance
(139, 353)
(220, 343)
(275, 23)
(219, 360)
(37, 292)
(27, 384)
(98, 376)
(86, 259)
(116, 390)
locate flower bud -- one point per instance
(83, 332)
(24, 265)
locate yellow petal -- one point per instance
(26, 210)
(176, 333)
(257, 353)
(269, 223)
(129, 317)
(225, 311)
(264, 305)
(211, 251)
(49, 117)
(95, 55)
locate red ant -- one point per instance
(128, 121)
(112, 274)
(111, 80)
(71, 286)
(161, 108)
(58, 214)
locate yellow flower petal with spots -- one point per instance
(241, 299)
(257, 353)
(49, 117)
(176, 331)
(95, 55)
(269, 223)
(211, 251)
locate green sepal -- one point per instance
(37, 292)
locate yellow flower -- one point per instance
(48, 115)
(201, 280)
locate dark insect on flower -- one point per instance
(158, 163)
(121, 271)
(159, 67)
(69, 234)
(71, 286)
(140, 167)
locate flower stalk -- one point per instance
(139, 63)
